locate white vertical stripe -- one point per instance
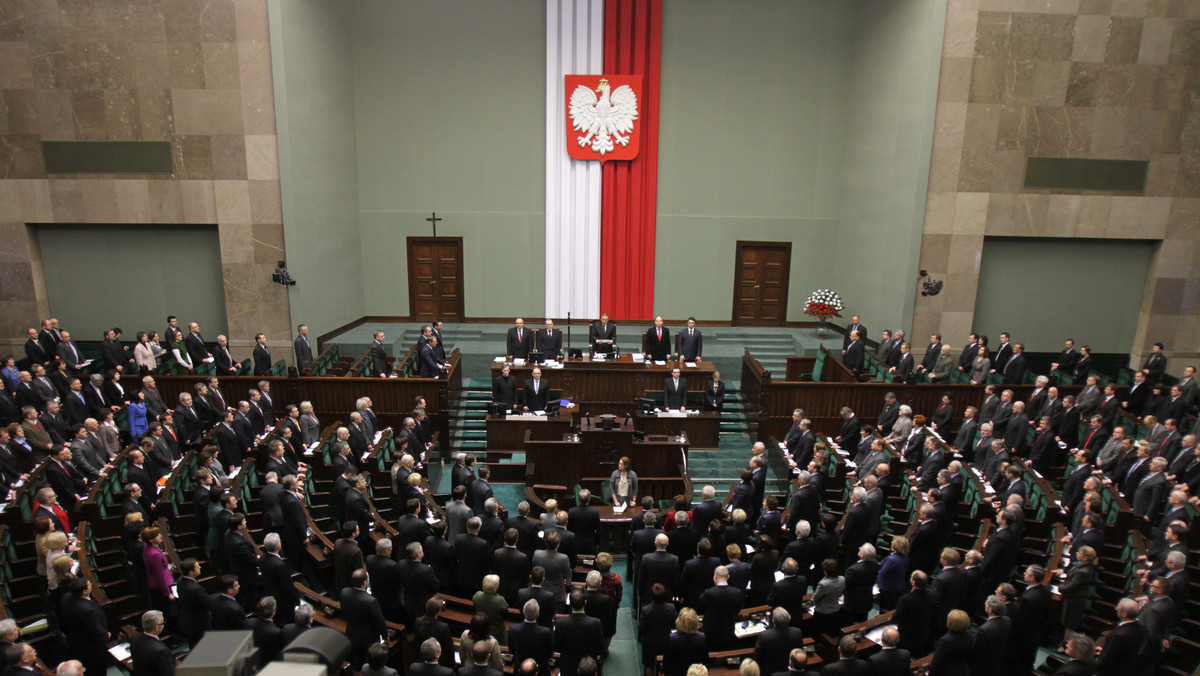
(574, 46)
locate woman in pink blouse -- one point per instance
(158, 573)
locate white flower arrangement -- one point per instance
(823, 304)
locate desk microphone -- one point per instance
(628, 418)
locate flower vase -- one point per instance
(822, 328)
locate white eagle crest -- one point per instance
(603, 119)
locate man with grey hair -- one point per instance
(151, 657)
(708, 509)
(1123, 646)
(1150, 493)
(277, 578)
(992, 640)
(68, 668)
(301, 623)
(431, 653)
(9, 633)
(773, 645)
(805, 504)
(360, 406)
(1035, 607)
(1082, 651)
(529, 640)
(21, 659)
(385, 580)
(599, 604)
(854, 527)
(860, 580)
(722, 603)
(891, 660)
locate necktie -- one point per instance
(660, 334)
(535, 386)
(518, 334)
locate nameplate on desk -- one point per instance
(535, 415)
(672, 414)
(690, 364)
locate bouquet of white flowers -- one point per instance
(823, 304)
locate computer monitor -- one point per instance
(536, 357)
(553, 408)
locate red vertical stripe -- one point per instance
(632, 46)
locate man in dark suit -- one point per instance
(1000, 552)
(474, 558)
(706, 511)
(262, 355)
(195, 606)
(854, 354)
(577, 636)
(903, 368)
(773, 645)
(929, 361)
(115, 356)
(788, 593)
(67, 481)
(1017, 431)
(385, 581)
(658, 566)
(891, 660)
(1044, 445)
(227, 613)
(69, 354)
(150, 656)
(479, 491)
(603, 335)
(194, 343)
(187, 420)
(584, 521)
(431, 366)
(365, 624)
(993, 640)
(854, 528)
(549, 341)
(1014, 369)
(1134, 401)
(850, 427)
(379, 363)
(1035, 608)
(658, 341)
(85, 625)
(1002, 354)
(418, 580)
(914, 615)
(949, 586)
(691, 342)
(536, 392)
(1155, 365)
(242, 561)
(855, 325)
(431, 653)
(302, 348)
(512, 565)
(543, 596)
(675, 391)
(34, 351)
(847, 663)
(519, 341)
(530, 640)
(1149, 494)
(1123, 646)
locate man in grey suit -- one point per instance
(1151, 492)
(1088, 400)
(557, 567)
(304, 355)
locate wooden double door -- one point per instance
(760, 283)
(435, 278)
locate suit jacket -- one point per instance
(194, 343)
(1014, 370)
(1150, 495)
(895, 662)
(847, 667)
(347, 558)
(227, 613)
(194, 609)
(991, 643)
(658, 349)
(474, 556)
(999, 555)
(658, 567)
(430, 366)
(67, 482)
(386, 585)
(187, 424)
(546, 603)
(903, 366)
(365, 623)
(535, 401)
(1017, 432)
(379, 364)
(550, 345)
(600, 331)
(530, 640)
(304, 355)
(277, 582)
(674, 397)
(36, 353)
(931, 355)
(262, 360)
(965, 437)
(855, 356)
(774, 646)
(577, 636)
(512, 565)
(1122, 650)
(862, 335)
(519, 347)
(70, 354)
(1088, 401)
(691, 344)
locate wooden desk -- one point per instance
(702, 430)
(508, 434)
(564, 462)
(610, 386)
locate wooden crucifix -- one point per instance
(433, 219)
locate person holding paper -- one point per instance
(536, 392)
(519, 341)
(658, 341)
(603, 335)
(691, 343)
(623, 483)
(675, 391)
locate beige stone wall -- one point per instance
(1114, 79)
(196, 73)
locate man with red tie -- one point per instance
(658, 341)
(520, 341)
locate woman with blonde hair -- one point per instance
(310, 427)
(685, 644)
(952, 652)
(489, 601)
(1075, 590)
(56, 544)
(892, 579)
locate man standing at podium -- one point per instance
(691, 343)
(520, 341)
(604, 335)
(658, 341)
(675, 391)
(536, 392)
(549, 341)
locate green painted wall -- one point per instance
(896, 49)
(753, 100)
(1023, 282)
(449, 100)
(88, 298)
(314, 108)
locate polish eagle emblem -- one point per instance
(603, 117)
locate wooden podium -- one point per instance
(594, 454)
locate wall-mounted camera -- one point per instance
(281, 275)
(931, 286)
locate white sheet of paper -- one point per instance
(518, 362)
(120, 652)
(638, 356)
(620, 509)
(690, 364)
(660, 363)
